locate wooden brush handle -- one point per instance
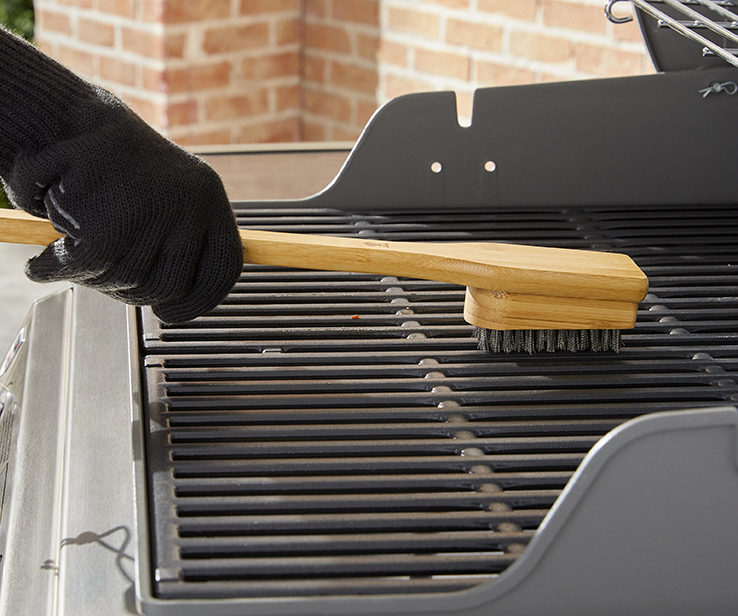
(505, 268)
(502, 267)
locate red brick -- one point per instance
(453, 4)
(443, 63)
(184, 113)
(178, 11)
(118, 71)
(288, 31)
(198, 77)
(315, 8)
(124, 8)
(517, 9)
(152, 10)
(341, 133)
(392, 53)
(415, 22)
(235, 38)
(289, 97)
(315, 69)
(96, 32)
(261, 7)
(608, 61)
(271, 66)
(82, 4)
(194, 137)
(493, 74)
(312, 131)
(368, 46)
(151, 111)
(327, 38)
(360, 11)
(365, 111)
(153, 80)
(53, 21)
(174, 45)
(537, 46)
(574, 16)
(327, 105)
(471, 34)
(277, 131)
(46, 46)
(352, 77)
(395, 86)
(142, 42)
(76, 59)
(237, 106)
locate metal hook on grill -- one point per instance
(612, 17)
(687, 28)
(729, 87)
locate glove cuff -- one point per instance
(41, 102)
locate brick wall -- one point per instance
(465, 44)
(202, 71)
(232, 71)
(341, 75)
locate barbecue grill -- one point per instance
(333, 443)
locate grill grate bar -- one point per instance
(327, 433)
(374, 483)
(453, 542)
(410, 521)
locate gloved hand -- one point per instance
(145, 222)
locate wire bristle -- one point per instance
(547, 340)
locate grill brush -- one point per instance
(518, 298)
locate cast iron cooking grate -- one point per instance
(333, 434)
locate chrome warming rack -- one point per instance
(720, 17)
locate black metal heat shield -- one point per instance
(666, 138)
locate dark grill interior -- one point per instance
(330, 434)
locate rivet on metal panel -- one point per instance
(428, 362)
(509, 527)
(410, 324)
(499, 508)
(457, 419)
(394, 290)
(465, 435)
(490, 488)
(416, 336)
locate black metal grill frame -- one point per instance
(340, 434)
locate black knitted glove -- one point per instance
(144, 221)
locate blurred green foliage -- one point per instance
(16, 15)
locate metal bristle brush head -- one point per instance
(547, 340)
